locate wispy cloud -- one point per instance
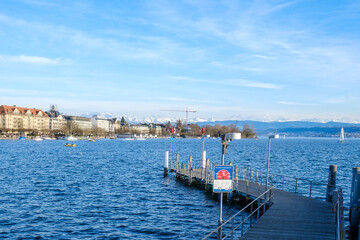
(229, 66)
(252, 84)
(263, 56)
(187, 100)
(231, 82)
(35, 60)
(281, 6)
(334, 100)
(295, 103)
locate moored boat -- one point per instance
(38, 139)
(71, 138)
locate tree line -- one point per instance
(194, 130)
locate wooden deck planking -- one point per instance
(293, 216)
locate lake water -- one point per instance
(114, 189)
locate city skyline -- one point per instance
(246, 60)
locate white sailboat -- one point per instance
(342, 135)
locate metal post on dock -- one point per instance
(203, 163)
(236, 173)
(207, 174)
(190, 170)
(166, 164)
(331, 186)
(257, 175)
(177, 162)
(177, 165)
(354, 212)
(203, 154)
(171, 140)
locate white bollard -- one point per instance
(166, 164)
(203, 165)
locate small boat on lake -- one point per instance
(22, 138)
(342, 135)
(71, 138)
(38, 139)
(70, 145)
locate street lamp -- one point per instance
(268, 160)
(268, 164)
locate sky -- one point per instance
(247, 60)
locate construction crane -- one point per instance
(186, 111)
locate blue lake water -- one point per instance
(114, 189)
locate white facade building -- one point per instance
(101, 122)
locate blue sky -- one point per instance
(259, 60)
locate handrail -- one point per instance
(338, 203)
(287, 176)
(312, 184)
(241, 211)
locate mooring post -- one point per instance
(331, 186)
(354, 213)
(177, 165)
(257, 175)
(177, 162)
(171, 163)
(190, 170)
(207, 174)
(203, 164)
(166, 164)
(236, 174)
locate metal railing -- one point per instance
(259, 205)
(289, 183)
(338, 202)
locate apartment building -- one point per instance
(20, 119)
(83, 123)
(56, 121)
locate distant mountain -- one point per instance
(287, 128)
(295, 128)
(147, 119)
(277, 125)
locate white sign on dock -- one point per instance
(223, 176)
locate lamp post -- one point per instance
(171, 139)
(268, 165)
(225, 143)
